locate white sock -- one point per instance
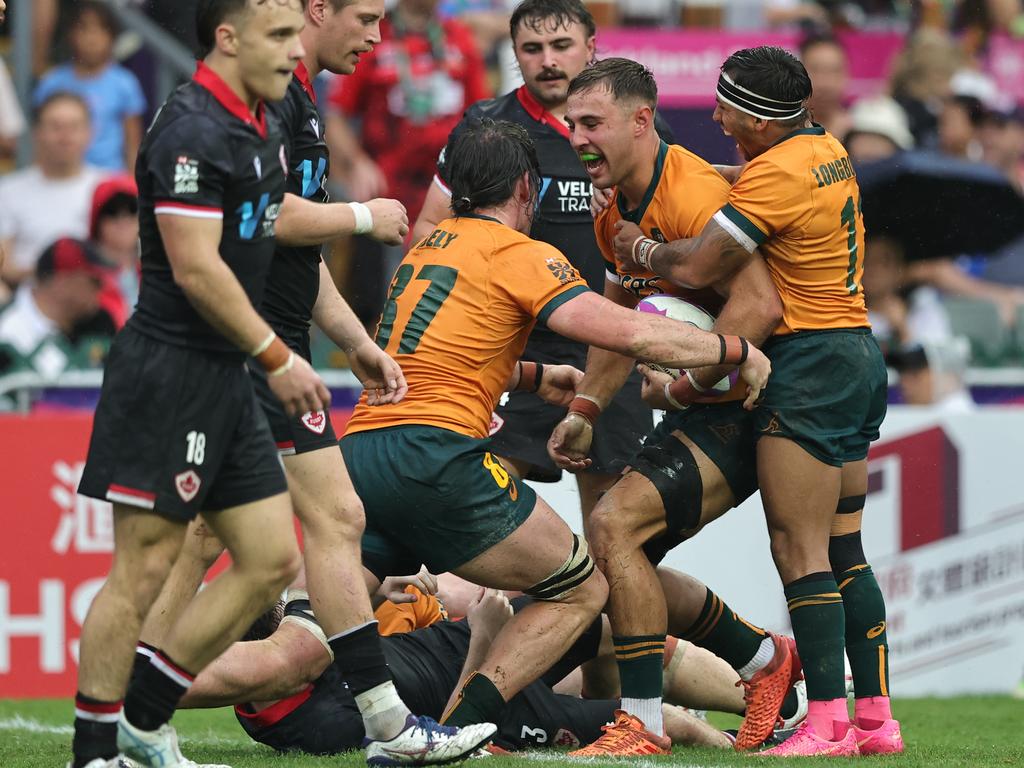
(648, 710)
(765, 653)
(384, 713)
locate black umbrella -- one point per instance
(940, 206)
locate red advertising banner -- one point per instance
(55, 551)
(686, 62)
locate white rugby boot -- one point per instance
(153, 749)
(424, 741)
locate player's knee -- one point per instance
(577, 581)
(845, 552)
(612, 528)
(795, 553)
(277, 571)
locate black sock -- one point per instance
(360, 657)
(95, 730)
(143, 654)
(155, 691)
(479, 701)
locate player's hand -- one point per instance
(755, 372)
(364, 179)
(390, 221)
(300, 389)
(652, 391)
(626, 233)
(488, 613)
(599, 200)
(393, 587)
(570, 442)
(558, 384)
(381, 376)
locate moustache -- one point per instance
(552, 74)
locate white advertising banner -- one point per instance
(943, 530)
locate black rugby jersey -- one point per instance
(207, 156)
(294, 280)
(563, 218)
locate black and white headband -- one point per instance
(754, 104)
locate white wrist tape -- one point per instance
(284, 368)
(364, 219)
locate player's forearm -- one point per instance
(479, 645)
(753, 310)
(699, 262)
(335, 317)
(302, 222)
(605, 374)
(212, 288)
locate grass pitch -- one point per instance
(976, 731)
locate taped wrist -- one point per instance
(734, 350)
(587, 407)
(530, 376)
(574, 571)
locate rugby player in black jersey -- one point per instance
(553, 42)
(300, 290)
(178, 429)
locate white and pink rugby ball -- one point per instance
(679, 309)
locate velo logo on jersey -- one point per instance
(312, 181)
(251, 215)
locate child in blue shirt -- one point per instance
(113, 93)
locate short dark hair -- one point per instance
(101, 11)
(819, 38)
(485, 161)
(625, 78)
(53, 98)
(773, 73)
(210, 14)
(558, 13)
(266, 623)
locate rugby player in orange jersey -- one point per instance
(460, 309)
(699, 462)
(798, 202)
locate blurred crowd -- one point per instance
(939, 300)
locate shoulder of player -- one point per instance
(500, 107)
(608, 215)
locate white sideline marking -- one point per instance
(631, 762)
(29, 725)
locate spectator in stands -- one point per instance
(825, 60)
(66, 290)
(49, 199)
(114, 230)
(878, 130)
(112, 92)
(959, 125)
(1001, 135)
(12, 119)
(932, 373)
(409, 93)
(920, 82)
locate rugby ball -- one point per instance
(679, 309)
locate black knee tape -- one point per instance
(670, 466)
(574, 571)
(844, 552)
(850, 504)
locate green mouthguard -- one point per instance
(587, 157)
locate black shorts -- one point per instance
(293, 435)
(178, 431)
(522, 426)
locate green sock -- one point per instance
(720, 630)
(816, 611)
(640, 658)
(479, 701)
(867, 646)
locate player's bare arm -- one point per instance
(436, 208)
(379, 374)
(212, 288)
(606, 372)
(694, 262)
(303, 222)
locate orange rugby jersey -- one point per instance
(461, 306)
(684, 193)
(800, 204)
(398, 618)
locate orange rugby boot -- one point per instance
(626, 737)
(764, 694)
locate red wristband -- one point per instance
(734, 350)
(586, 408)
(274, 356)
(682, 393)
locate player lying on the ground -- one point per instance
(289, 696)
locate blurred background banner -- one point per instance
(686, 62)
